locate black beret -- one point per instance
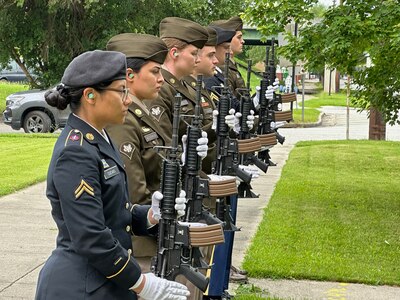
(212, 37)
(223, 35)
(234, 23)
(94, 67)
(146, 46)
(184, 30)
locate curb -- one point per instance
(306, 125)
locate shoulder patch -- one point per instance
(127, 149)
(157, 111)
(74, 137)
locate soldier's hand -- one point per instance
(256, 98)
(230, 119)
(252, 170)
(276, 85)
(236, 127)
(215, 119)
(155, 205)
(180, 203)
(269, 93)
(151, 287)
(250, 120)
(202, 147)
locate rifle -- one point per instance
(173, 237)
(267, 113)
(227, 157)
(244, 133)
(196, 187)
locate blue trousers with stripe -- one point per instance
(222, 258)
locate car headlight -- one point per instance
(14, 100)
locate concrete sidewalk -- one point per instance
(28, 231)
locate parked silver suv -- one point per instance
(29, 110)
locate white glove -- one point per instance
(215, 119)
(269, 93)
(230, 118)
(236, 128)
(180, 204)
(276, 85)
(155, 205)
(256, 99)
(252, 170)
(156, 288)
(202, 147)
(250, 120)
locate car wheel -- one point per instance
(37, 122)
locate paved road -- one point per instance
(28, 231)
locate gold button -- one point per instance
(128, 228)
(127, 205)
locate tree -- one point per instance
(342, 39)
(43, 36)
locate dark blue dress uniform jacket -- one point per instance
(86, 185)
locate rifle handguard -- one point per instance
(268, 139)
(289, 97)
(249, 145)
(206, 235)
(222, 188)
(286, 115)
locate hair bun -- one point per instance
(56, 99)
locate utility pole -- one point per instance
(294, 63)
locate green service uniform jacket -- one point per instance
(136, 140)
(87, 189)
(235, 79)
(163, 107)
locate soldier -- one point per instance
(235, 23)
(183, 38)
(223, 46)
(206, 66)
(86, 185)
(140, 132)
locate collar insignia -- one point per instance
(105, 164)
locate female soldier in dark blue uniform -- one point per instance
(86, 185)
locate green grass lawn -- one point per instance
(323, 99)
(311, 115)
(334, 215)
(7, 89)
(25, 159)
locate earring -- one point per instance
(131, 75)
(90, 96)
